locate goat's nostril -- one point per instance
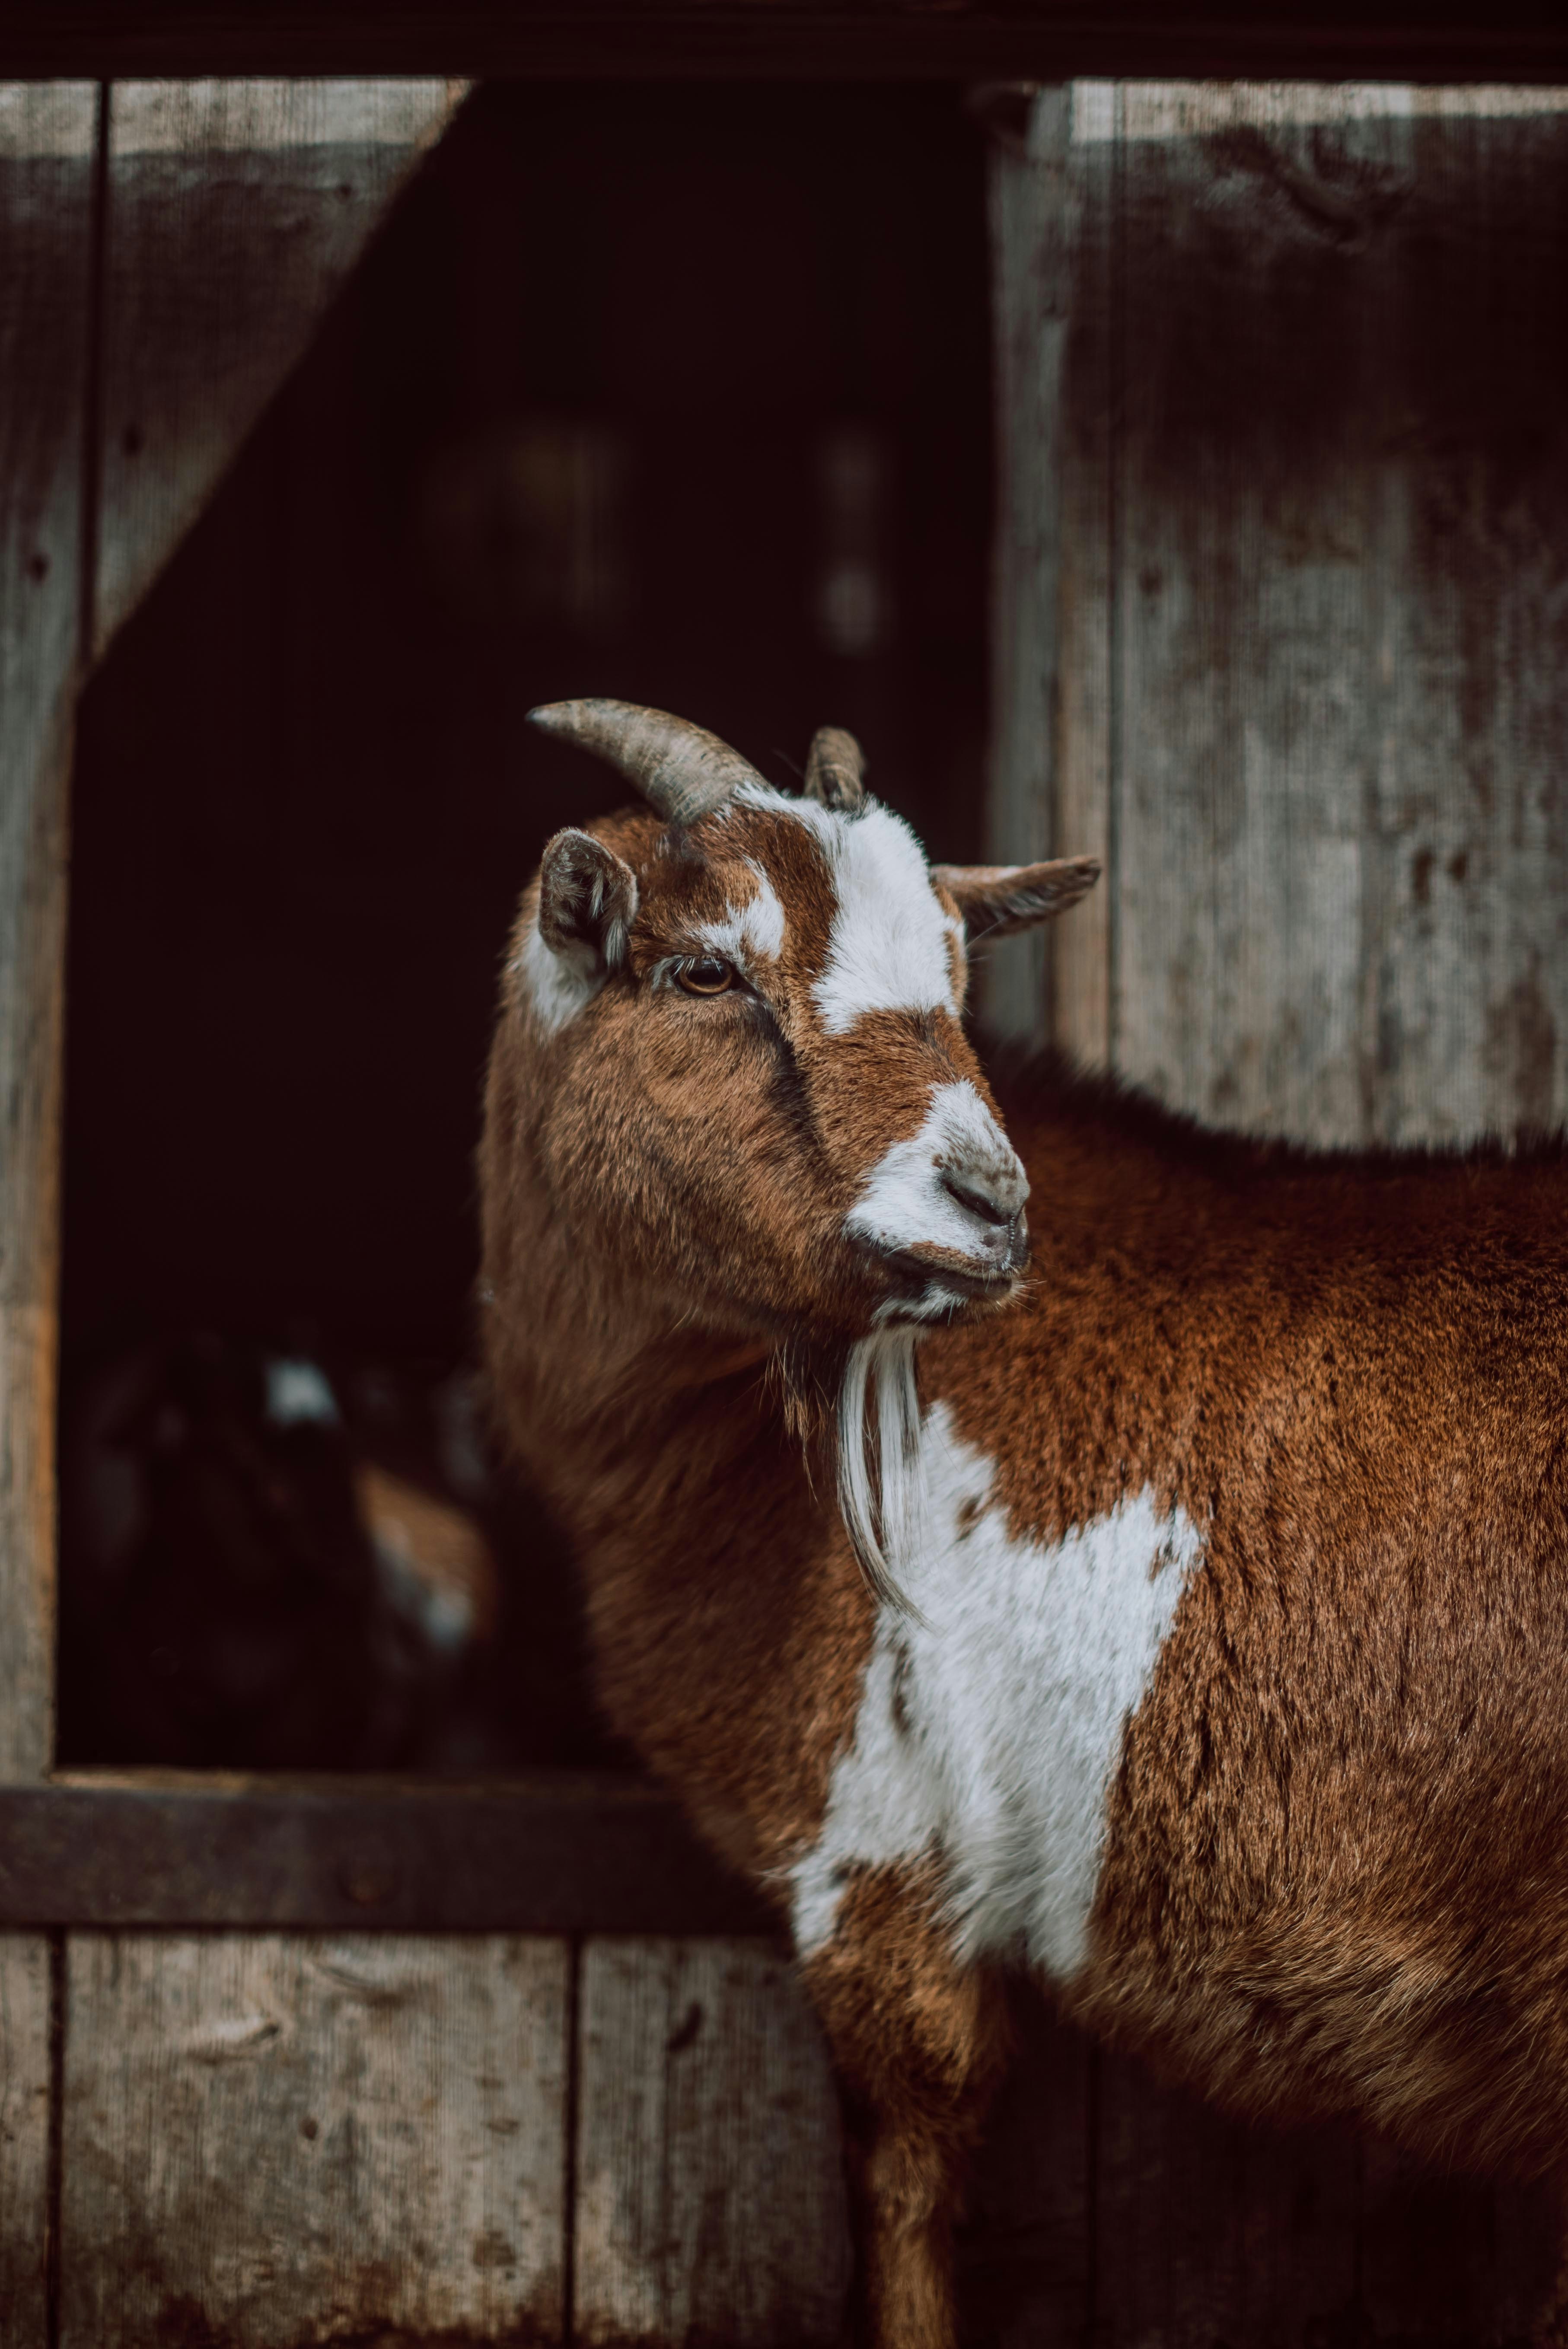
(976, 1203)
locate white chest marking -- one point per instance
(988, 1731)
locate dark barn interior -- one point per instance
(685, 403)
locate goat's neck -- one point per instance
(613, 1387)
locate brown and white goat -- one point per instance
(1195, 1631)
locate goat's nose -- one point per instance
(995, 1204)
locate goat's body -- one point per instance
(1271, 1465)
(1228, 1687)
(1238, 1706)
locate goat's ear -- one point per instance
(997, 898)
(587, 903)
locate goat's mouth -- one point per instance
(929, 1283)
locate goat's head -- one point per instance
(746, 1085)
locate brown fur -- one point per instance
(1334, 1875)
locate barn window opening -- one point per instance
(680, 394)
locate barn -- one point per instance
(1148, 434)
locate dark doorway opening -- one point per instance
(680, 394)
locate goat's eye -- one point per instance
(706, 976)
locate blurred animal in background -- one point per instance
(269, 1565)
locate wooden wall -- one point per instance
(1279, 634)
(1282, 636)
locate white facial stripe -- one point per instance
(887, 950)
(754, 929)
(904, 1203)
(990, 1724)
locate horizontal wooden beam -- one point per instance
(877, 39)
(559, 1852)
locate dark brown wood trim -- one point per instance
(560, 1852)
(880, 39)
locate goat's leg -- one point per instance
(918, 2040)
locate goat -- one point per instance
(1193, 1632)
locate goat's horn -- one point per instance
(682, 770)
(833, 770)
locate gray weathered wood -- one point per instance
(271, 2140)
(709, 2201)
(46, 148)
(1313, 565)
(236, 210)
(1077, 1011)
(24, 2137)
(1032, 242)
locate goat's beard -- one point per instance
(881, 1493)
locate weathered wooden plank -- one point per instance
(46, 152)
(25, 2082)
(1077, 1008)
(47, 144)
(709, 2199)
(1252, 598)
(236, 210)
(559, 1851)
(1329, 564)
(271, 2140)
(1031, 244)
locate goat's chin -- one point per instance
(943, 1301)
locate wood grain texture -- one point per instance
(1321, 565)
(709, 2201)
(47, 154)
(1031, 244)
(25, 2016)
(47, 134)
(271, 2140)
(1082, 949)
(236, 210)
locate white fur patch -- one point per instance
(557, 987)
(904, 1202)
(887, 950)
(990, 1722)
(749, 931)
